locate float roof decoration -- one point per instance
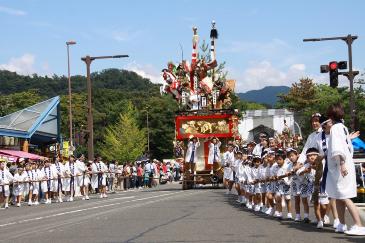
(201, 84)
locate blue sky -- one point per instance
(260, 41)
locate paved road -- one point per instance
(164, 215)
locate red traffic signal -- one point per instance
(333, 66)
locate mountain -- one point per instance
(267, 95)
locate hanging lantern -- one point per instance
(183, 98)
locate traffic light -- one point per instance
(333, 70)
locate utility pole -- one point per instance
(68, 43)
(349, 39)
(90, 120)
(148, 133)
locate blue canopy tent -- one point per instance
(39, 123)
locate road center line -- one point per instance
(86, 209)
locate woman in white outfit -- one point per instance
(98, 179)
(56, 186)
(341, 178)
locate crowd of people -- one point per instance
(59, 179)
(268, 177)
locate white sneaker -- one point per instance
(263, 209)
(60, 200)
(83, 198)
(101, 195)
(238, 200)
(6, 205)
(105, 196)
(336, 222)
(71, 199)
(211, 172)
(326, 220)
(257, 208)
(36, 203)
(355, 230)
(297, 218)
(87, 198)
(289, 216)
(268, 211)
(30, 203)
(341, 228)
(18, 204)
(320, 224)
(249, 206)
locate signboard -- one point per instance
(204, 126)
(65, 149)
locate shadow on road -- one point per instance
(311, 227)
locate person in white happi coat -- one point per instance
(312, 138)
(48, 174)
(98, 179)
(228, 161)
(20, 178)
(238, 161)
(28, 189)
(241, 176)
(35, 178)
(257, 151)
(341, 177)
(5, 179)
(69, 182)
(322, 145)
(214, 153)
(82, 177)
(56, 185)
(191, 153)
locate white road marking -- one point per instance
(96, 207)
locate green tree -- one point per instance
(17, 101)
(124, 140)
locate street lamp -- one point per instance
(68, 43)
(148, 132)
(90, 123)
(350, 74)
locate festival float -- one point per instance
(205, 112)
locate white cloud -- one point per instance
(262, 74)
(12, 11)
(146, 71)
(125, 35)
(26, 65)
(22, 65)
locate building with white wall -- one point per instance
(270, 121)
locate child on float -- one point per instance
(282, 189)
(293, 156)
(306, 176)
